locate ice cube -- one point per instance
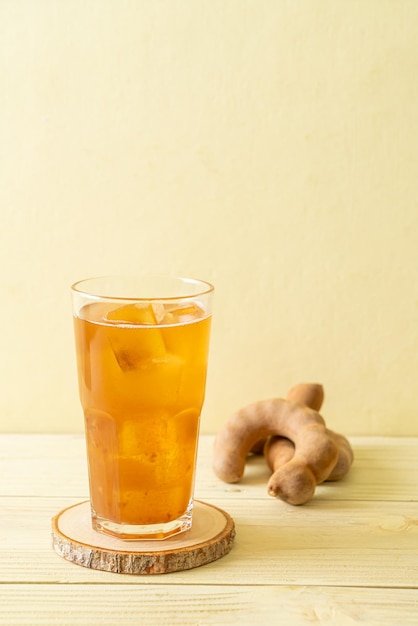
(137, 313)
(179, 314)
(136, 340)
(94, 312)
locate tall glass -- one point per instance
(142, 348)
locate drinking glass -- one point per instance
(142, 350)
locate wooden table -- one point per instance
(349, 556)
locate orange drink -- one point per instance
(142, 363)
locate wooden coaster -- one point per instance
(210, 538)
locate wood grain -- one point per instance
(350, 556)
(195, 605)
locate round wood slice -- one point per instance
(210, 538)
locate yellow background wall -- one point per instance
(268, 146)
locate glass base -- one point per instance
(135, 532)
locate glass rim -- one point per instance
(206, 287)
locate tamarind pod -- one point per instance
(293, 483)
(308, 394)
(295, 480)
(279, 450)
(296, 484)
(345, 457)
(312, 395)
(315, 450)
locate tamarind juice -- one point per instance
(142, 374)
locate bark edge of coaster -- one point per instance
(210, 538)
